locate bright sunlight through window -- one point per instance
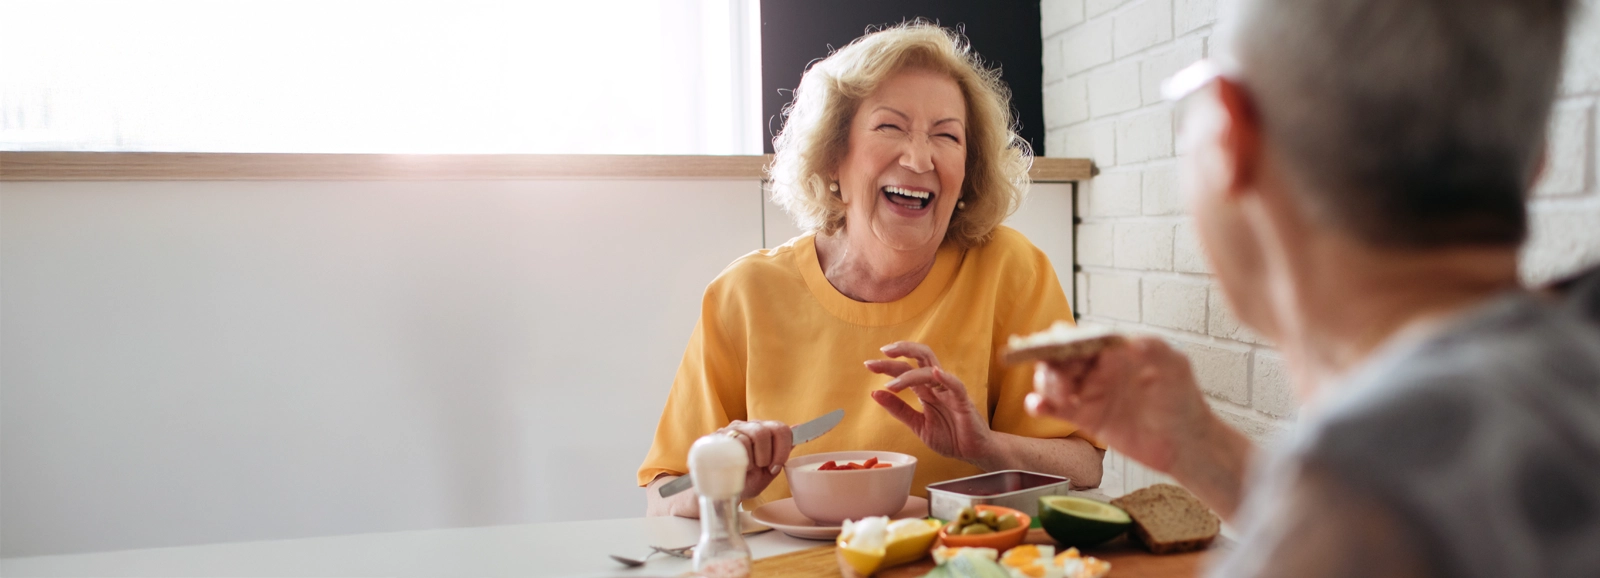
(343, 76)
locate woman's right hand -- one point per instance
(768, 444)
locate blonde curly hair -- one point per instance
(816, 130)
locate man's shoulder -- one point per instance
(1516, 356)
(1472, 405)
(1489, 433)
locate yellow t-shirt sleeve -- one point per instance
(707, 393)
(1033, 301)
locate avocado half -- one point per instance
(1081, 522)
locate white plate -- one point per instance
(786, 517)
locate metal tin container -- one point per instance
(1015, 489)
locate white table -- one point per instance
(555, 549)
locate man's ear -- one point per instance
(1241, 135)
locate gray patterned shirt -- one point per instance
(1480, 446)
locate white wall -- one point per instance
(198, 362)
(202, 362)
(1565, 212)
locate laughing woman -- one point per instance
(898, 156)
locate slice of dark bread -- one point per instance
(1168, 519)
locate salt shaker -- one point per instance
(718, 464)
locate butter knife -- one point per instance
(802, 433)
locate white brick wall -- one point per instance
(1175, 304)
(1165, 62)
(1113, 296)
(1098, 7)
(1191, 15)
(1142, 267)
(1114, 89)
(1143, 246)
(1222, 370)
(1058, 15)
(1114, 195)
(1145, 135)
(1566, 209)
(1566, 168)
(1186, 254)
(1258, 428)
(1083, 47)
(1143, 24)
(1269, 385)
(1161, 197)
(1220, 321)
(1095, 245)
(1095, 141)
(1583, 54)
(1067, 102)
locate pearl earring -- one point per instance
(961, 205)
(833, 187)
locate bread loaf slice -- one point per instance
(1063, 341)
(1169, 519)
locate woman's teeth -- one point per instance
(908, 198)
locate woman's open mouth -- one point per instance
(910, 199)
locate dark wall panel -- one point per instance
(1004, 32)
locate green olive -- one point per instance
(1007, 522)
(967, 516)
(988, 518)
(976, 529)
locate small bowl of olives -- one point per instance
(985, 526)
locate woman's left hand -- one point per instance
(949, 423)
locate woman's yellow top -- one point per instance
(776, 341)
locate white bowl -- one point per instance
(831, 497)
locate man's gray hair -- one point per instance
(1409, 123)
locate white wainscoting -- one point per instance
(200, 362)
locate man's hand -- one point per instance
(1141, 399)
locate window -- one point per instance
(343, 76)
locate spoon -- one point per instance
(748, 526)
(674, 552)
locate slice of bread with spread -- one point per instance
(1168, 519)
(1063, 341)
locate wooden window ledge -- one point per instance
(107, 166)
